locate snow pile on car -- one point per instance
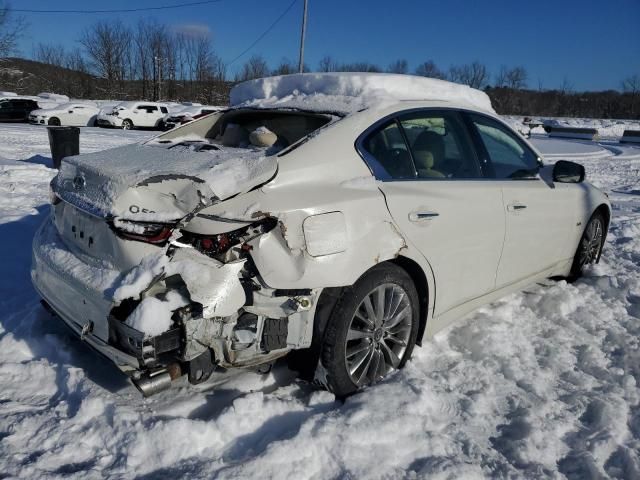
(350, 92)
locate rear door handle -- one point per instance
(514, 207)
(422, 216)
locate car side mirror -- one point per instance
(568, 172)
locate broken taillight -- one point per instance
(149, 232)
(220, 243)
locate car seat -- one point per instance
(428, 154)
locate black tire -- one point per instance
(127, 124)
(590, 245)
(350, 307)
(54, 121)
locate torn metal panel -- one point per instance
(213, 284)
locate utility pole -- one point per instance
(304, 30)
(157, 64)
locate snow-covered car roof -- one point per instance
(350, 92)
(195, 110)
(131, 104)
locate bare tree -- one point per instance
(286, 67)
(359, 67)
(475, 74)
(328, 64)
(511, 77)
(255, 67)
(430, 69)
(50, 53)
(107, 44)
(631, 87)
(11, 28)
(566, 87)
(399, 66)
(631, 84)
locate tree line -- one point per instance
(152, 61)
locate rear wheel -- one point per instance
(127, 124)
(590, 246)
(371, 331)
(54, 121)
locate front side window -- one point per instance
(440, 145)
(164, 110)
(509, 156)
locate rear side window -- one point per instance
(426, 145)
(509, 155)
(148, 108)
(389, 150)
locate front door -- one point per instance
(438, 196)
(539, 214)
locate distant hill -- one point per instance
(29, 77)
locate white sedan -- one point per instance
(341, 218)
(67, 114)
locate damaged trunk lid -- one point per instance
(144, 190)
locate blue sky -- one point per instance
(593, 44)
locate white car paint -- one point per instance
(136, 114)
(187, 114)
(68, 114)
(320, 217)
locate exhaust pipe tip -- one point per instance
(153, 383)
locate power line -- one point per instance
(127, 10)
(277, 20)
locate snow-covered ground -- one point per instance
(540, 384)
(608, 129)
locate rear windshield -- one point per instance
(246, 128)
(271, 130)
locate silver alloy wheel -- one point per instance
(378, 334)
(591, 242)
(126, 125)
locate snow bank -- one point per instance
(608, 129)
(348, 92)
(56, 97)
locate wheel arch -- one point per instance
(604, 210)
(417, 274)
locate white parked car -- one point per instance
(345, 217)
(187, 114)
(71, 114)
(128, 115)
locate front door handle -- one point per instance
(422, 216)
(514, 207)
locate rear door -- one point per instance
(78, 115)
(437, 194)
(539, 213)
(149, 115)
